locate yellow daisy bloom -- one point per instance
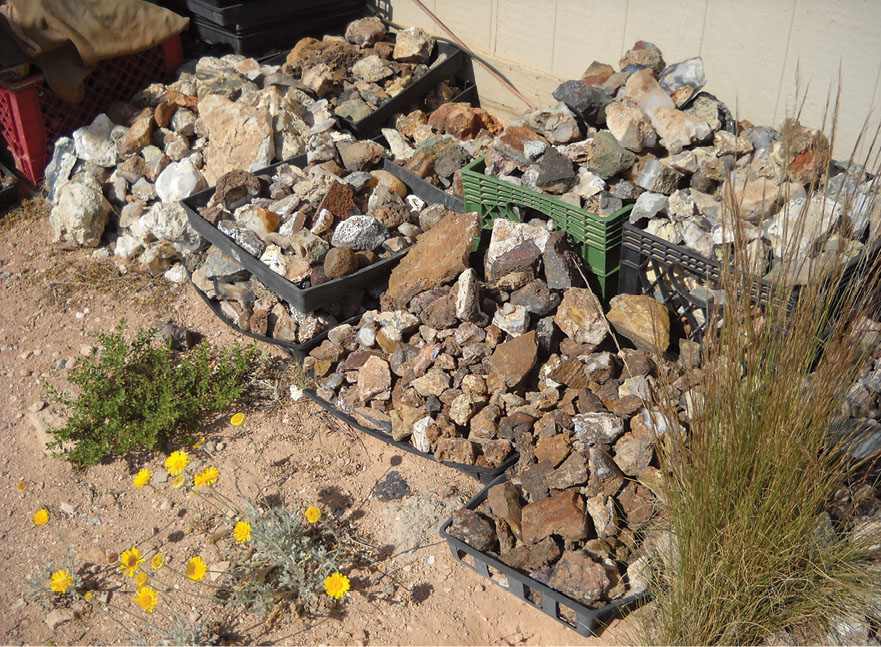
(207, 476)
(88, 595)
(178, 482)
(142, 478)
(60, 581)
(177, 462)
(237, 419)
(157, 562)
(196, 568)
(242, 532)
(312, 514)
(336, 585)
(40, 517)
(130, 561)
(141, 579)
(147, 598)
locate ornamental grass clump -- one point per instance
(753, 554)
(139, 396)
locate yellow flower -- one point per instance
(142, 478)
(242, 532)
(196, 568)
(60, 581)
(178, 482)
(130, 561)
(88, 595)
(141, 579)
(40, 517)
(177, 462)
(237, 419)
(157, 562)
(200, 442)
(336, 585)
(146, 598)
(21, 486)
(312, 514)
(207, 476)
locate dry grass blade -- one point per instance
(754, 552)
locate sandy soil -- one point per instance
(52, 302)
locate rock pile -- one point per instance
(250, 306)
(322, 222)
(649, 133)
(434, 146)
(451, 362)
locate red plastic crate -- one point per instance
(32, 117)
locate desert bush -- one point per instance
(753, 554)
(141, 395)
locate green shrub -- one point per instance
(141, 396)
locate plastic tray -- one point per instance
(484, 474)
(455, 65)
(563, 609)
(303, 299)
(257, 12)
(32, 117)
(599, 236)
(425, 190)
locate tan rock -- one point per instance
(642, 320)
(240, 136)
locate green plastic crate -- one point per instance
(599, 237)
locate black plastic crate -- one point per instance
(485, 475)
(238, 14)
(455, 65)
(575, 615)
(643, 254)
(425, 190)
(303, 299)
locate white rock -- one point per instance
(176, 274)
(797, 227)
(94, 143)
(420, 434)
(127, 246)
(648, 205)
(399, 147)
(168, 221)
(274, 259)
(179, 180)
(80, 214)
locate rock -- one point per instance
(586, 101)
(512, 360)
(467, 296)
(555, 172)
(561, 514)
(359, 155)
(240, 136)
(557, 124)
(572, 472)
(637, 503)
(413, 45)
(605, 476)
(580, 317)
(597, 428)
(678, 129)
(579, 577)
(57, 617)
(532, 557)
(363, 233)
(460, 119)
(138, 134)
(473, 528)
(634, 450)
(801, 153)
(504, 501)
(513, 246)
(630, 126)
(652, 175)
(643, 89)
(648, 205)
(597, 73)
(727, 143)
(374, 379)
(80, 214)
(643, 54)
(365, 31)
(168, 221)
(372, 69)
(560, 272)
(339, 262)
(642, 320)
(179, 180)
(399, 147)
(602, 512)
(455, 450)
(513, 319)
(434, 382)
(59, 168)
(94, 144)
(799, 225)
(553, 449)
(606, 157)
(420, 433)
(439, 256)
(683, 80)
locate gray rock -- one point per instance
(513, 319)
(413, 45)
(59, 168)
(683, 80)
(648, 205)
(597, 428)
(362, 233)
(557, 124)
(372, 69)
(80, 213)
(93, 143)
(586, 101)
(656, 177)
(606, 157)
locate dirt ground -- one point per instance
(52, 302)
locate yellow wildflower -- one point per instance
(336, 585)
(143, 477)
(40, 517)
(88, 595)
(312, 514)
(60, 581)
(157, 562)
(242, 532)
(196, 568)
(200, 442)
(237, 419)
(207, 476)
(146, 598)
(130, 561)
(177, 462)
(178, 482)
(141, 579)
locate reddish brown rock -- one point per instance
(561, 514)
(553, 450)
(339, 201)
(531, 557)
(579, 577)
(512, 361)
(504, 501)
(473, 528)
(455, 450)
(597, 73)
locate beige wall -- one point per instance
(752, 49)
